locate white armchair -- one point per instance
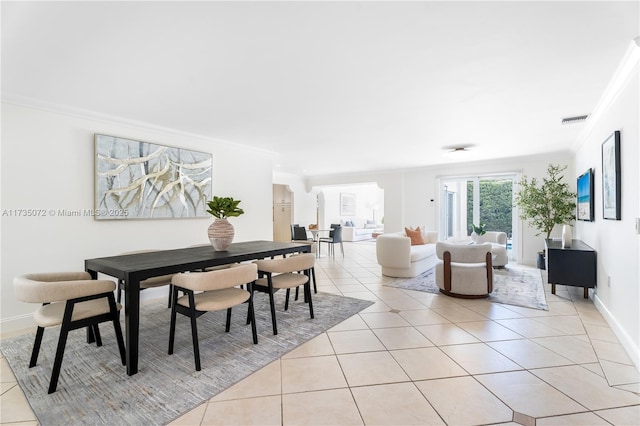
(464, 270)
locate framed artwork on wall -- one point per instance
(585, 197)
(611, 177)
(347, 204)
(141, 180)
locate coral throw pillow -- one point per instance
(415, 235)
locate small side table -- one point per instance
(574, 266)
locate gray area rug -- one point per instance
(514, 285)
(95, 389)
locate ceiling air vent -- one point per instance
(576, 119)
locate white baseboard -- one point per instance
(18, 324)
(629, 345)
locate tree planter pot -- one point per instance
(221, 234)
(541, 260)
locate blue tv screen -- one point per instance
(585, 196)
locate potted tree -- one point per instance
(547, 203)
(221, 232)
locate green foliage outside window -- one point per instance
(496, 201)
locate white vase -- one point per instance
(566, 236)
(221, 234)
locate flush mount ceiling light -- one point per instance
(458, 153)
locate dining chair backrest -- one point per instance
(293, 225)
(299, 233)
(336, 234)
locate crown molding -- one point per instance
(618, 82)
(113, 120)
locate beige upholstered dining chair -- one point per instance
(285, 273)
(152, 282)
(464, 270)
(71, 300)
(211, 291)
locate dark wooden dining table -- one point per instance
(133, 268)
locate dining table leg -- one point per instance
(132, 323)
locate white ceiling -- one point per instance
(331, 87)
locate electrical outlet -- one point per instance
(608, 280)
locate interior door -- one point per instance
(282, 213)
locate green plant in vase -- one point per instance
(479, 229)
(478, 232)
(221, 231)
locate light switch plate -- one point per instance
(638, 225)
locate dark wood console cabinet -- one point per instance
(575, 265)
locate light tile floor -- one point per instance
(428, 359)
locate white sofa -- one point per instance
(398, 258)
(498, 242)
(358, 230)
(351, 233)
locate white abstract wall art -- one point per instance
(141, 180)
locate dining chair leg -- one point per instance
(228, 325)
(96, 334)
(194, 330)
(36, 347)
(250, 313)
(273, 305)
(307, 289)
(57, 364)
(172, 326)
(115, 319)
(313, 274)
(286, 299)
(254, 330)
(62, 342)
(120, 340)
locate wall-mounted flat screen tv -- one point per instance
(585, 196)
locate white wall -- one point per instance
(48, 163)
(616, 243)
(408, 193)
(367, 196)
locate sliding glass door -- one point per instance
(470, 200)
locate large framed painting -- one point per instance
(585, 196)
(611, 177)
(347, 204)
(141, 180)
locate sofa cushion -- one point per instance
(423, 251)
(415, 235)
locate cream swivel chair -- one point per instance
(211, 291)
(464, 270)
(71, 300)
(285, 273)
